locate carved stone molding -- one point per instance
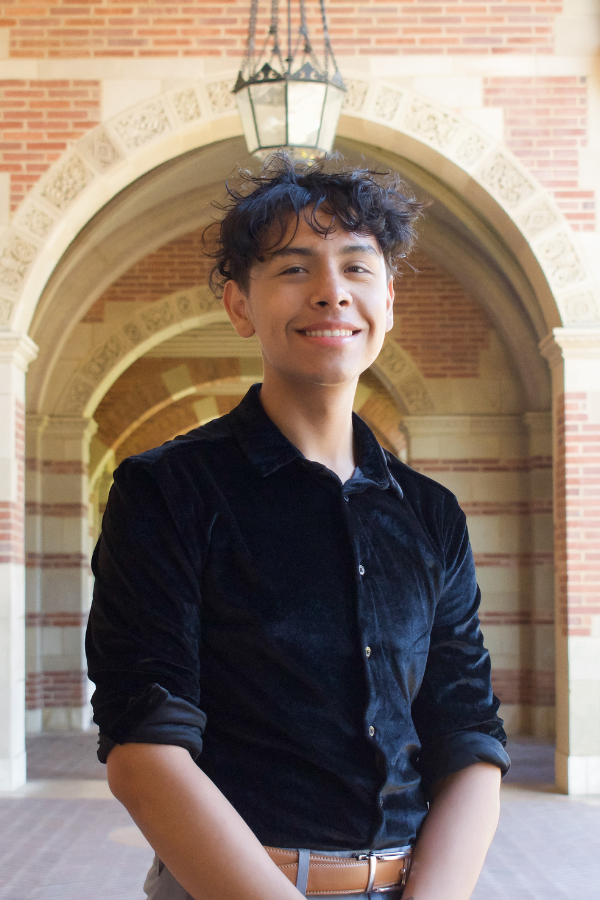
(402, 377)
(220, 96)
(571, 343)
(561, 261)
(186, 105)
(36, 221)
(65, 184)
(17, 348)
(354, 98)
(538, 218)
(151, 320)
(387, 103)
(142, 125)
(430, 123)
(6, 308)
(580, 307)
(507, 181)
(470, 149)
(15, 258)
(100, 150)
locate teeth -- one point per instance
(338, 332)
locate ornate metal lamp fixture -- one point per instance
(289, 101)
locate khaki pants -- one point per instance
(161, 885)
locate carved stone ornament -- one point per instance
(387, 103)
(15, 259)
(392, 360)
(470, 149)
(104, 358)
(356, 91)
(79, 393)
(537, 219)
(67, 183)
(184, 306)
(155, 319)
(562, 263)
(207, 302)
(431, 124)
(220, 96)
(5, 311)
(506, 180)
(186, 105)
(143, 125)
(580, 308)
(133, 332)
(36, 222)
(415, 395)
(99, 148)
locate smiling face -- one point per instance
(320, 305)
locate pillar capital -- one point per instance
(570, 343)
(70, 427)
(18, 348)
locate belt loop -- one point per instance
(302, 876)
(372, 870)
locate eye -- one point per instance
(293, 270)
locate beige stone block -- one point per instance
(120, 94)
(67, 718)
(577, 34)
(584, 659)
(33, 721)
(64, 488)
(65, 590)
(511, 713)
(489, 119)
(543, 720)
(584, 724)
(577, 774)
(52, 644)
(454, 92)
(542, 638)
(177, 379)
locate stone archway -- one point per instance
(526, 233)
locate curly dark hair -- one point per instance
(258, 211)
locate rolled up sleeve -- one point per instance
(455, 712)
(143, 634)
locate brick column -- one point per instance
(58, 573)
(16, 352)
(574, 357)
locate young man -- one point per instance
(284, 633)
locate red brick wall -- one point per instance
(12, 513)
(44, 690)
(545, 126)
(39, 120)
(577, 485)
(72, 29)
(442, 328)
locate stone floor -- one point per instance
(62, 836)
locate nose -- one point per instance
(330, 290)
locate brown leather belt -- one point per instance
(378, 872)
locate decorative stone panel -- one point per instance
(220, 97)
(186, 105)
(356, 92)
(143, 125)
(471, 149)
(36, 221)
(15, 258)
(561, 261)
(100, 150)
(431, 124)
(505, 179)
(66, 183)
(580, 307)
(387, 103)
(538, 218)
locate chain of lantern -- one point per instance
(251, 62)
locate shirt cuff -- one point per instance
(156, 717)
(451, 752)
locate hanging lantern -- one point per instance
(290, 102)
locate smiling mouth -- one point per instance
(334, 332)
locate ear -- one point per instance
(389, 306)
(236, 305)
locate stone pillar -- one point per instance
(16, 352)
(58, 573)
(574, 357)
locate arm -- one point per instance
(456, 835)
(193, 828)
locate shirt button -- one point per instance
(371, 731)
(361, 570)
(367, 652)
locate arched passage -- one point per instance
(491, 225)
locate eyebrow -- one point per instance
(347, 250)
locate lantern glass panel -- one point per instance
(305, 107)
(331, 115)
(245, 110)
(269, 111)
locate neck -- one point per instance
(317, 419)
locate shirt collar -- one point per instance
(268, 449)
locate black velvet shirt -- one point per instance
(314, 645)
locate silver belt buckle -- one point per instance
(397, 853)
